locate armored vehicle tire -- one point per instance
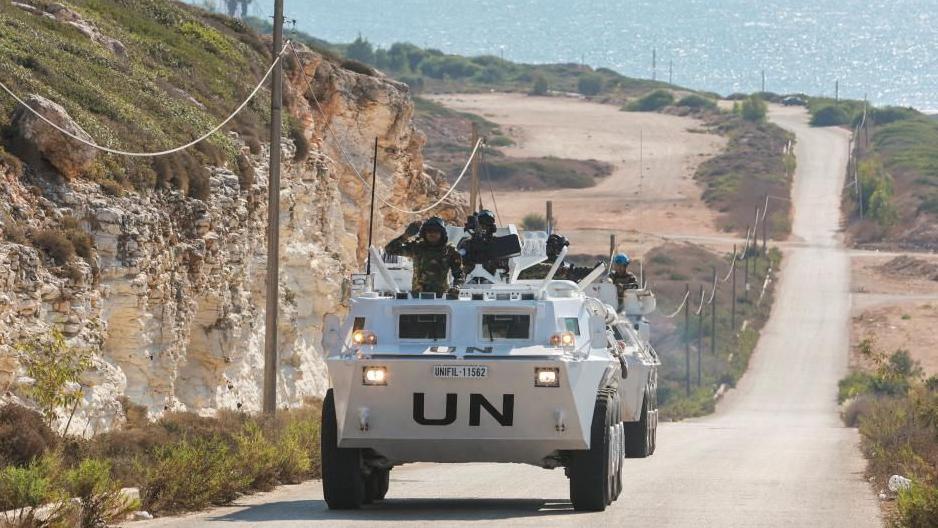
(640, 436)
(343, 482)
(591, 487)
(378, 484)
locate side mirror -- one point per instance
(330, 333)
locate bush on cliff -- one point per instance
(651, 102)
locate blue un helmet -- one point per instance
(621, 259)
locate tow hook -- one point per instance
(363, 419)
(559, 424)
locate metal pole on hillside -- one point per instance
(687, 339)
(273, 221)
(654, 64)
(713, 316)
(699, 333)
(612, 247)
(550, 217)
(474, 187)
(670, 72)
(763, 81)
(765, 226)
(733, 304)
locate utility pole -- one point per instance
(654, 64)
(713, 316)
(371, 215)
(612, 247)
(733, 304)
(273, 220)
(746, 276)
(765, 226)
(763, 81)
(699, 333)
(474, 187)
(687, 338)
(550, 217)
(837, 90)
(670, 71)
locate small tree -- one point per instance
(590, 84)
(753, 109)
(56, 369)
(534, 222)
(830, 115)
(361, 50)
(540, 86)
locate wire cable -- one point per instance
(681, 307)
(351, 165)
(700, 305)
(163, 152)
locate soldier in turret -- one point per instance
(434, 259)
(621, 276)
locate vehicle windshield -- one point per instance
(422, 326)
(506, 326)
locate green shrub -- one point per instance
(258, 457)
(697, 102)
(877, 192)
(29, 488)
(111, 187)
(24, 436)
(101, 500)
(753, 109)
(534, 222)
(589, 84)
(540, 86)
(500, 141)
(918, 506)
(830, 115)
(190, 475)
(55, 245)
(358, 67)
(294, 449)
(651, 102)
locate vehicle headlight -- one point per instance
(546, 377)
(364, 337)
(563, 339)
(374, 375)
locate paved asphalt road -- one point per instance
(775, 453)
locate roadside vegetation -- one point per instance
(892, 191)
(668, 270)
(432, 70)
(758, 160)
(896, 412)
(179, 462)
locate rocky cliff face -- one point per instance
(171, 300)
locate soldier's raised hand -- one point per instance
(413, 228)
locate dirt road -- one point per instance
(637, 204)
(774, 454)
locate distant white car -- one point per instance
(541, 372)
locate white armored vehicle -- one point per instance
(542, 372)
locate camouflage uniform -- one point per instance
(624, 281)
(564, 272)
(432, 263)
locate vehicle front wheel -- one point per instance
(343, 481)
(591, 488)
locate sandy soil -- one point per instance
(897, 310)
(639, 206)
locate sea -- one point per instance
(886, 51)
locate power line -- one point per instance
(163, 152)
(351, 165)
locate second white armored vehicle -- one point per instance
(543, 372)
